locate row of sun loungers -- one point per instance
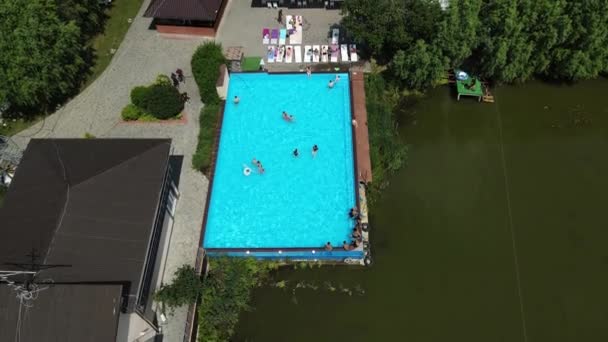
(312, 53)
(279, 36)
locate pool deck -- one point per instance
(364, 164)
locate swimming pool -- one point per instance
(298, 202)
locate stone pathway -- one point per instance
(140, 58)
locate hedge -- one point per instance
(131, 112)
(201, 160)
(206, 63)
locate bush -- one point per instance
(201, 160)
(131, 112)
(387, 152)
(185, 289)
(206, 63)
(227, 292)
(161, 101)
(163, 80)
(138, 96)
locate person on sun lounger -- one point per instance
(316, 52)
(287, 117)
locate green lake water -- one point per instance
(497, 230)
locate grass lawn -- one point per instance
(14, 127)
(117, 26)
(251, 64)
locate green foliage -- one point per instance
(227, 292)
(161, 101)
(86, 14)
(131, 112)
(201, 160)
(41, 54)
(160, 80)
(503, 40)
(185, 289)
(139, 96)
(206, 63)
(388, 153)
(419, 66)
(88, 135)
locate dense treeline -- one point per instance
(503, 40)
(44, 52)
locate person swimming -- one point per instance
(287, 117)
(328, 246)
(337, 78)
(296, 153)
(347, 247)
(236, 100)
(308, 71)
(315, 149)
(330, 84)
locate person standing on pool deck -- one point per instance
(315, 149)
(236, 100)
(296, 153)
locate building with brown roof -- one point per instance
(194, 17)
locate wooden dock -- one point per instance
(361, 137)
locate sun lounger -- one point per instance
(316, 53)
(270, 54)
(289, 54)
(353, 53)
(344, 52)
(324, 54)
(289, 22)
(298, 53)
(335, 36)
(274, 36)
(282, 36)
(307, 54)
(334, 51)
(266, 36)
(280, 54)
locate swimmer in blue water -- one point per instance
(296, 153)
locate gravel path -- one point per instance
(140, 58)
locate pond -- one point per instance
(495, 231)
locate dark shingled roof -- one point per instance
(203, 10)
(88, 203)
(66, 313)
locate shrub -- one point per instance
(201, 160)
(163, 80)
(185, 288)
(131, 112)
(161, 101)
(138, 96)
(227, 292)
(387, 152)
(205, 63)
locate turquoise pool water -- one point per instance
(298, 201)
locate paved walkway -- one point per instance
(242, 26)
(141, 57)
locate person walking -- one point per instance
(180, 75)
(175, 80)
(280, 18)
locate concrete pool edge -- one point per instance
(360, 256)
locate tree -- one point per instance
(86, 14)
(419, 66)
(378, 25)
(41, 55)
(459, 32)
(185, 288)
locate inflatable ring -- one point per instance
(246, 171)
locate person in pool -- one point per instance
(353, 213)
(328, 246)
(287, 117)
(337, 78)
(308, 71)
(296, 153)
(315, 149)
(330, 84)
(236, 100)
(356, 234)
(347, 247)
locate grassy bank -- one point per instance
(116, 28)
(387, 151)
